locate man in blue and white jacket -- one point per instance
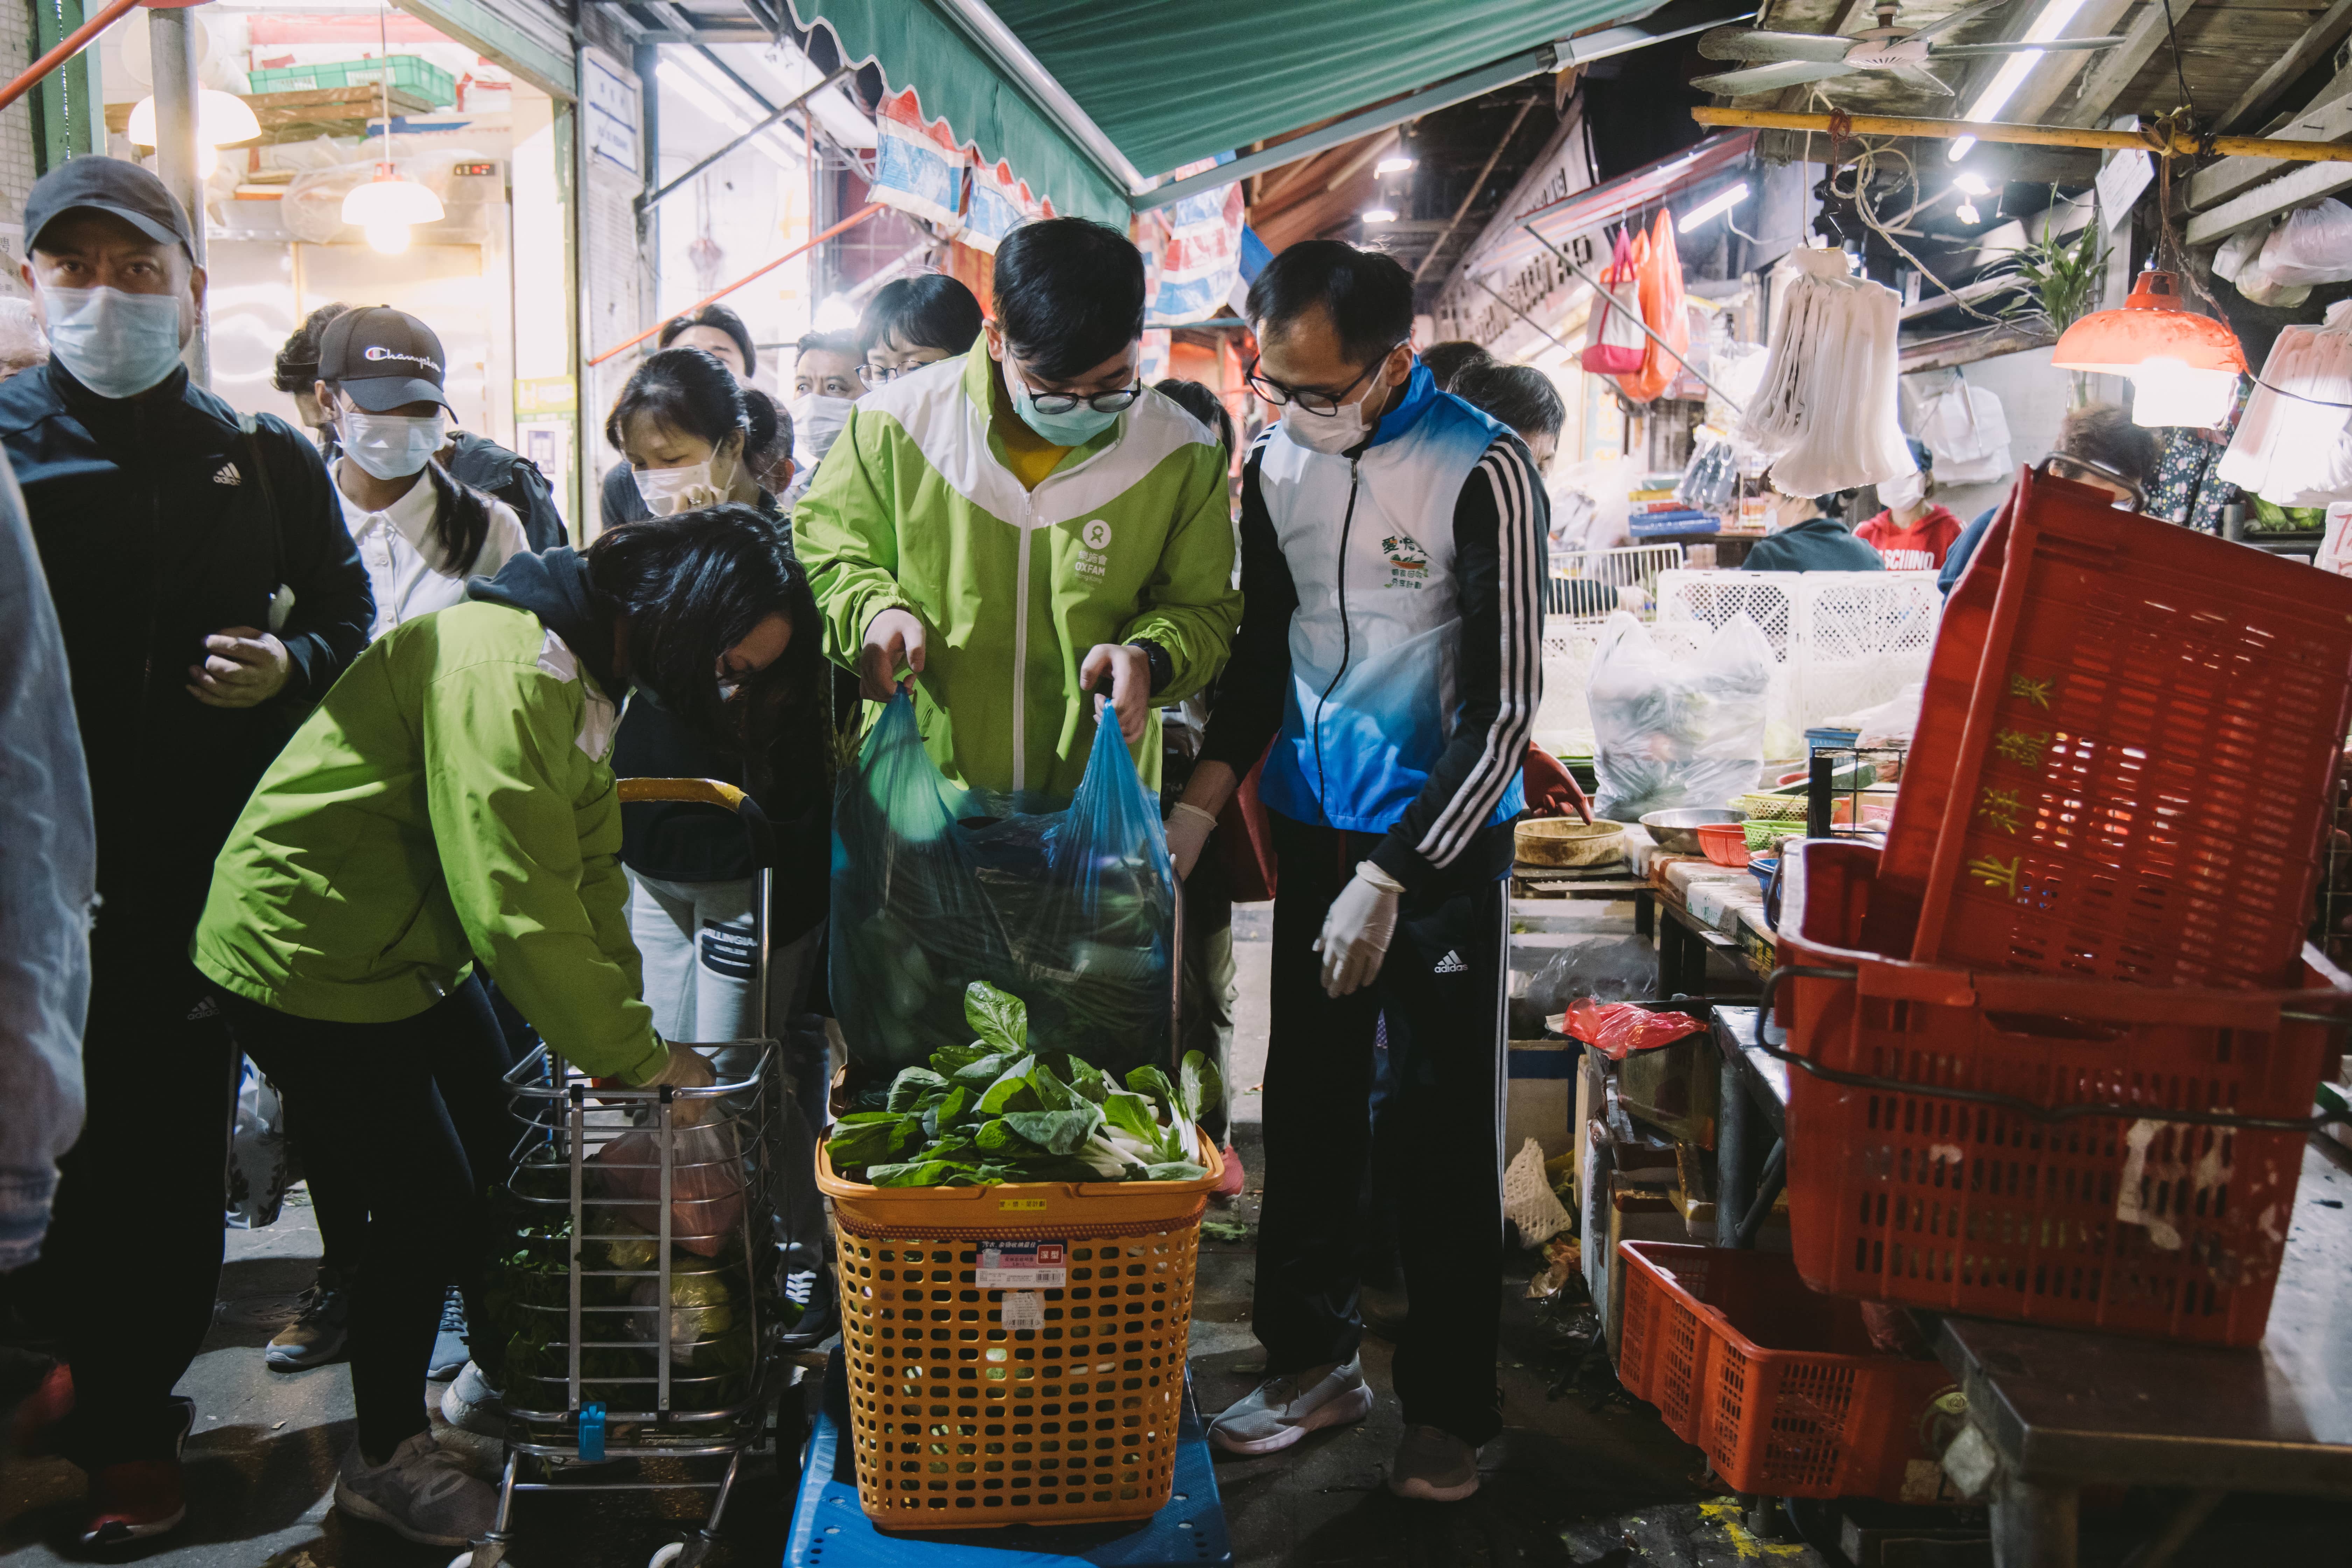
(1391, 651)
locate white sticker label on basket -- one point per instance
(1017, 1265)
(1023, 1309)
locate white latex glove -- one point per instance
(1188, 829)
(894, 641)
(685, 1069)
(1356, 932)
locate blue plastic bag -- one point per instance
(1072, 910)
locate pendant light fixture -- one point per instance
(2183, 366)
(388, 206)
(223, 120)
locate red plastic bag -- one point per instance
(1614, 345)
(1618, 1029)
(705, 1185)
(1664, 306)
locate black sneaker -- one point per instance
(322, 1323)
(450, 1346)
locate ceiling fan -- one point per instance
(1787, 59)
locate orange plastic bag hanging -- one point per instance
(1664, 308)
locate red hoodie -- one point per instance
(1918, 548)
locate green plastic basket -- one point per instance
(412, 74)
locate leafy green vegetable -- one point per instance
(998, 1017)
(992, 1111)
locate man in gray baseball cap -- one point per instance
(208, 595)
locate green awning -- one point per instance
(1167, 83)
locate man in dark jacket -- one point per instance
(1804, 538)
(208, 593)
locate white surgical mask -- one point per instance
(817, 421)
(1905, 489)
(115, 344)
(391, 446)
(1332, 433)
(664, 489)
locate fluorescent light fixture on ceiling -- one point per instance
(1972, 183)
(1379, 215)
(2015, 69)
(1961, 147)
(1721, 202)
(1395, 164)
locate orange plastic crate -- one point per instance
(2123, 765)
(957, 1421)
(2148, 1227)
(1779, 1385)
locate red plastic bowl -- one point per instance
(1726, 843)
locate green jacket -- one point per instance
(1130, 539)
(449, 803)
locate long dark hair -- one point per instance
(461, 516)
(691, 586)
(691, 390)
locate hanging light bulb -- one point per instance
(387, 207)
(1377, 215)
(223, 120)
(1966, 212)
(2184, 367)
(2167, 390)
(1395, 164)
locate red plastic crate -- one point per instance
(1779, 1385)
(2145, 1226)
(2123, 766)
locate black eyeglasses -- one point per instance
(2065, 467)
(883, 375)
(1309, 400)
(1100, 402)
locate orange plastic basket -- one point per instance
(957, 1421)
(2153, 1227)
(2123, 766)
(1780, 1387)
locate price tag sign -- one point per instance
(1023, 1265)
(1023, 1309)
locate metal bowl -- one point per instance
(1676, 832)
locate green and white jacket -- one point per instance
(1129, 539)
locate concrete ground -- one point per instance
(1582, 1475)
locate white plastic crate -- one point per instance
(1840, 640)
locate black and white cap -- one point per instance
(382, 358)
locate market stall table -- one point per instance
(2063, 1409)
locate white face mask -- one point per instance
(393, 446)
(1909, 490)
(817, 421)
(115, 344)
(664, 489)
(1335, 433)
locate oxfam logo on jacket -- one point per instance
(1091, 560)
(1408, 561)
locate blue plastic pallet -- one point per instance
(830, 1531)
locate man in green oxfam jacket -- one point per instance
(450, 804)
(1012, 526)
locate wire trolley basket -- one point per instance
(637, 1294)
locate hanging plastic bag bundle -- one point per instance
(1614, 344)
(1069, 907)
(1825, 412)
(1669, 733)
(1660, 266)
(2312, 245)
(2292, 446)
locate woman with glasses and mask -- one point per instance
(1005, 537)
(913, 322)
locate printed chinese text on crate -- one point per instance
(2150, 1225)
(1780, 1387)
(957, 1420)
(2123, 764)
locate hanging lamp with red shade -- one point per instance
(2184, 367)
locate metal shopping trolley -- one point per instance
(636, 1293)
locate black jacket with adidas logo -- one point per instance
(161, 518)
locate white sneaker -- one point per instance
(1281, 1410)
(471, 1405)
(422, 1492)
